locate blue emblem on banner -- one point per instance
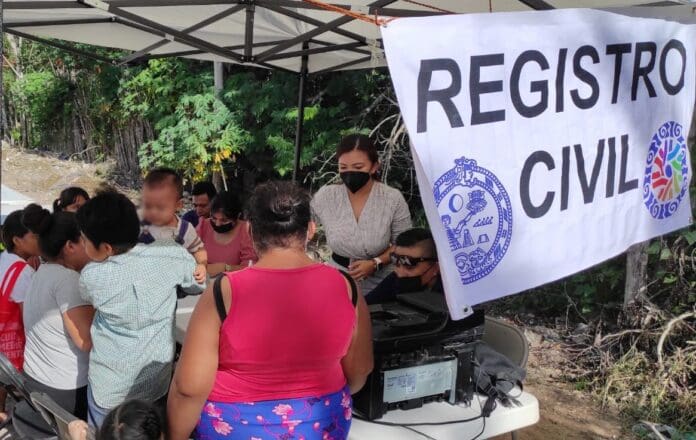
(477, 215)
(666, 171)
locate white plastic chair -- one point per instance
(509, 340)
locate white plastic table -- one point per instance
(184, 310)
(501, 421)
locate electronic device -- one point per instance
(421, 355)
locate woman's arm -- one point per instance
(358, 362)
(195, 371)
(401, 220)
(362, 269)
(247, 254)
(78, 321)
(215, 269)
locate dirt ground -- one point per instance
(42, 177)
(566, 413)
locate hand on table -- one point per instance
(361, 269)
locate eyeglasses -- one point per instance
(408, 261)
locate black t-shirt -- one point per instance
(191, 217)
(388, 289)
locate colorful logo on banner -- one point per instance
(476, 212)
(666, 171)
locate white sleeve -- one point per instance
(22, 286)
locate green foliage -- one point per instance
(44, 98)
(153, 92)
(196, 138)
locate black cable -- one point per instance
(483, 429)
(419, 433)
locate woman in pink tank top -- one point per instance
(273, 351)
(226, 236)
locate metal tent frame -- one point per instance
(115, 12)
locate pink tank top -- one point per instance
(239, 251)
(285, 335)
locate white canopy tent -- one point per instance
(301, 36)
(268, 33)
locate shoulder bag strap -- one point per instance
(353, 288)
(11, 277)
(219, 301)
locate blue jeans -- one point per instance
(95, 413)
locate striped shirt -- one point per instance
(192, 242)
(134, 295)
(383, 218)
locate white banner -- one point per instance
(544, 142)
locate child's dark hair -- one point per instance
(110, 218)
(132, 420)
(205, 187)
(165, 176)
(227, 203)
(280, 214)
(19, 223)
(54, 230)
(358, 142)
(67, 197)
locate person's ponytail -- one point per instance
(55, 230)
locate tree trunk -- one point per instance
(127, 141)
(636, 273)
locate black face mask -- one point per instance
(222, 229)
(409, 284)
(355, 180)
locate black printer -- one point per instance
(421, 355)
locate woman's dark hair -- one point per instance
(358, 142)
(110, 218)
(279, 213)
(54, 230)
(132, 420)
(67, 197)
(227, 203)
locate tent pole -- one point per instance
(218, 77)
(300, 114)
(2, 88)
(219, 179)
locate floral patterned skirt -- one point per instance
(326, 418)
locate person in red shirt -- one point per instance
(21, 244)
(277, 347)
